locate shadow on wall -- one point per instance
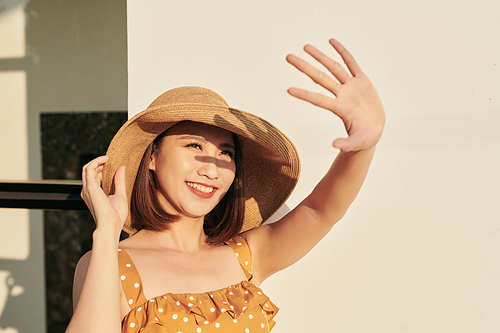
(70, 55)
(21, 280)
(12, 296)
(18, 264)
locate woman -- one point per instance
(200, 178)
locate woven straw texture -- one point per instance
(271, 162)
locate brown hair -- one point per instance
(221, 224)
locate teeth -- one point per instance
(201, 188)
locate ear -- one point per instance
(152, 163)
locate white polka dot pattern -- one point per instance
(238, 308)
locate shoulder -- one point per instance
(135, 241)
(83, 263)
(82, 266)
(80, 273)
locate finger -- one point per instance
(346, 56)
(315, 74)
(353, 143)
(93, 170)
(96, 161)
(342, 144)
(315, 99)
(98, 173)
(333, 67)
(119, 180)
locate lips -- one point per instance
(202, 188)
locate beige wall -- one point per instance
(419, 249)
(55, 56)
(20, 253)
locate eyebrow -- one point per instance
(226, 145)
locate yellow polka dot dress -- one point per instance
(241, 308)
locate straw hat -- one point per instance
(270, 160)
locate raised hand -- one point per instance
(108, 211)
(352, 97)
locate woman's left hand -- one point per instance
(353, 97)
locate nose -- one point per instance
(208, 168)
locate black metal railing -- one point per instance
(42, 194)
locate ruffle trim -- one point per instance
(200, 309)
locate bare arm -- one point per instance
(352, 97)
(96, 291)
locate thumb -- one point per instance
(119, 180)
(343, 144)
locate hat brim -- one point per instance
(270, 160)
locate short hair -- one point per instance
(221, 224)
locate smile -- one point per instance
(201, 188)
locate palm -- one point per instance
(111, 210)
(353, 97)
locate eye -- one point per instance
(228, 153)
(194, 145)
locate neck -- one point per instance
(185, 235)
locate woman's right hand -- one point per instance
(96, 288)
(108, 211)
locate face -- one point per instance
(194, 168)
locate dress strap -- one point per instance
(131, 281)
(242, 251)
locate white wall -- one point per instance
(419, 249)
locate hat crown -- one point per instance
(189, 95)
